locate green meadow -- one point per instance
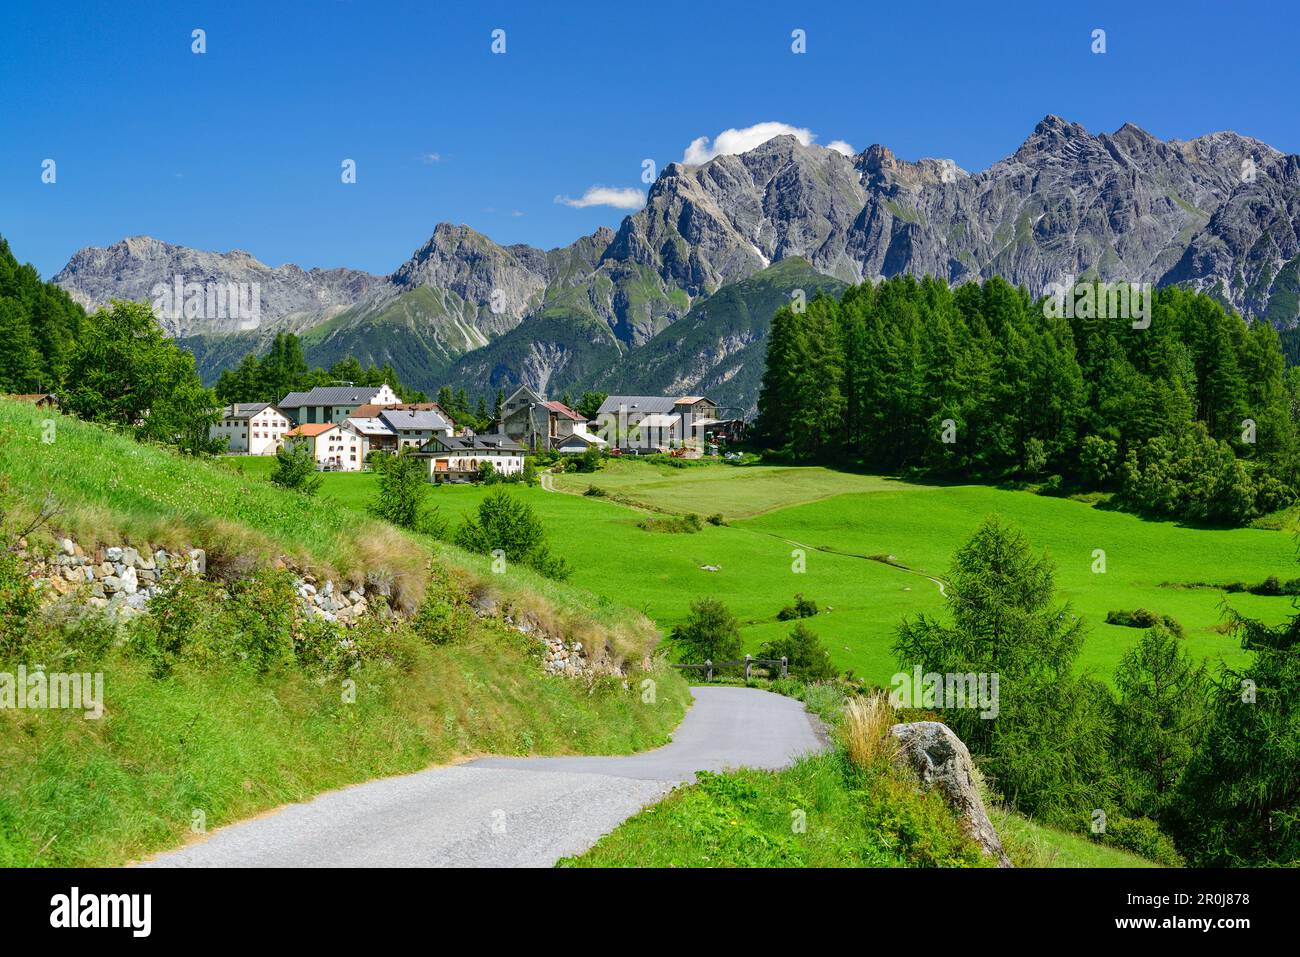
(872, 551)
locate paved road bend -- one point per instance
(510, 812)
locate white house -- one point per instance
(454, 458)
(414, 427)
(334, 403)
(577, 441)
(656, 422)
(335, 448)
(376, 433)
(254, 428)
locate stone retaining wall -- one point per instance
(121, 580)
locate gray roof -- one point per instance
(497, 440)
(331, 395)
(244, 410)
(420, 419)
(475, 443)
(370, 426)
(645, 404)
(575, 440)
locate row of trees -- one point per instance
(984, 382)
(39, 326)
(284, 369)
(1176, 753)
(114, 367)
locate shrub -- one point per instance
(672, 524)
(295, 468)
(1192, 476)
(1141, 836)
(1144, 618)
(18, 605)
(440, 620)
(402, 486)
(802, 608)
(1055, 485)
(716, 519)
(595, 491)
(252, 622)
(805, 655)
(1098, 460)
(175, 615)
(508, 523)
(710, 633)
(1269, 586)
(261, 615)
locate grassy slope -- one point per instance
(90, 793)
(231, 744)
(744, 819)
(747, 819)
(114, 490)
(864, 515)
(1030, 844)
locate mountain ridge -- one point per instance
(1219, 213)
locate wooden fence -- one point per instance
(748, 661)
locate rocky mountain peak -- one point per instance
(877, 159)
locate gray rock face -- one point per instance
(132, 268)
(500, 285)
(941, 760)
(1124, 206)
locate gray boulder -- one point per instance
(940, 759)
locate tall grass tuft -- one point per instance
(864, 731)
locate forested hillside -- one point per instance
(38, 324)
(1190, 416)
(284, 369)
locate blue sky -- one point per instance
(240, 147)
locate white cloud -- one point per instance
(618, 197)
(430, 158)
(733, 141)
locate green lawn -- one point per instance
(856, 516)
(734, 491)
(922, 529)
